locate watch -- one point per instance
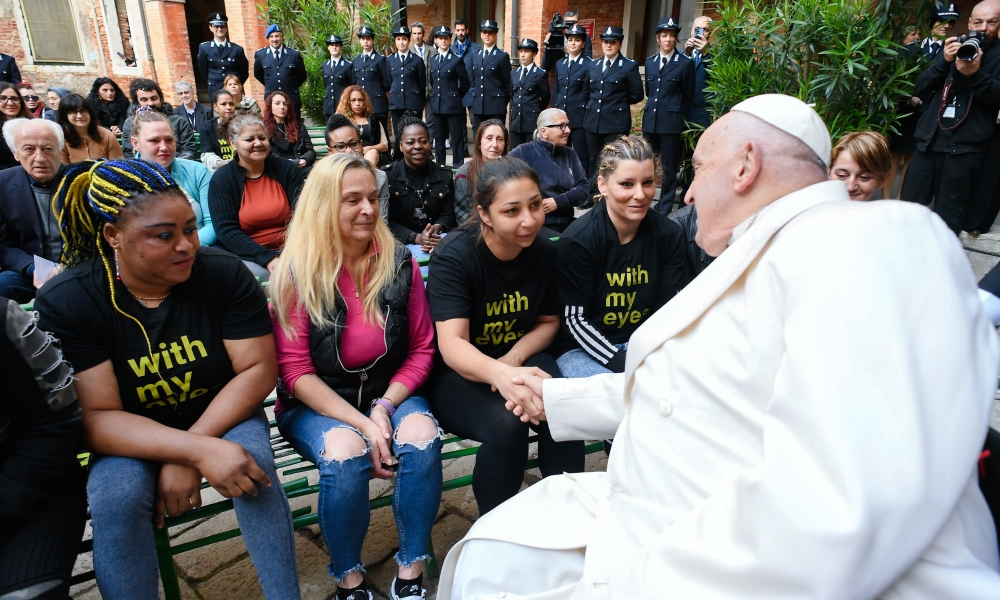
(384, 403)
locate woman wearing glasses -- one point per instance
(11, 107)
(561, 175)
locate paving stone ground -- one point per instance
(224, 571)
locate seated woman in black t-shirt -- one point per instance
(215, 148)
(173, 354)
(421, 194)
(492, 294)
(618, 264)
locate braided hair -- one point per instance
(624, 148)
(92, 193)
(404, 122)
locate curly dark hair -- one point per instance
(109, 114)
(291, 119)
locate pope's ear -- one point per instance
(748, 167)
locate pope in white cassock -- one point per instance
(802, 421)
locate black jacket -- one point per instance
(529, 97)
(39, 418)
(202, 113)
(336, 77)
(978, 102)
(361, 386)
(21, 235)
(286, 74)
(668, 93)
(449, 83)
(8, 69)
(436, 200)
(225, 195)
(215, 63)
(571, 89)
(489, 77)
(301, 149)
(409, 82)
(373, 75)
(611, 94)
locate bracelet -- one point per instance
(384, 403)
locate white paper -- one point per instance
(43, 268)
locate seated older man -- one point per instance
(802, 421)
(28, 228)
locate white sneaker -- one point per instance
(415, 592)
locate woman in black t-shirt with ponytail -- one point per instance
(492, 295)
(173, 355)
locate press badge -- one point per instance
(949, 112)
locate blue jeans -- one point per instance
(122, 491)
(343, 486)
(577, 363)
(17, 287)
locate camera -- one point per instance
(971, 44)
(556, 30)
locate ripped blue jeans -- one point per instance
(343, 486)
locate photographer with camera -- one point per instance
(697, 48)
(555, 39)
(963, 88)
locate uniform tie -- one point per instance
(663, 64)
(607, 64)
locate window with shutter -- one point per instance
(52, 31)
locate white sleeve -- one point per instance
(871, 436)
(591, 408)
(210, 160)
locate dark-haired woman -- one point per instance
(173, 354)
(43, 499)
(110, 104)
(490, 143)
(287, 133)
(618, 264)
(356, 106)
(493, 301)
(11, 107)
(31, 98)
(374, 321)
(85, 139)
(421, 193)
(252, 198)
(215, 147)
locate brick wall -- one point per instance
(247, 30)
(435, 14)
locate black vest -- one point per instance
(360, 386)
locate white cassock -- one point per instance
(802, 421)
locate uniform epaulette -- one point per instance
(650, 56)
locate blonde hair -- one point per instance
(868, 148)
(311, 261)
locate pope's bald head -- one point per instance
(741, 165)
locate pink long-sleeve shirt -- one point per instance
(360, 342)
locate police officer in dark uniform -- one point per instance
(489, 78)
(408, 79)
(571, 89)
(371, 71)
(8, 69)
(944, 22)
(279, 67)
(449, 82)
(220, 57)
(669, 91)
(615, 84)
(529, 94)
(338, 74)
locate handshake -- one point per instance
(521, 388)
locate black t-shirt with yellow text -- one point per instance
(501, 299)
(189, 365)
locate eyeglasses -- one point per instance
(31, 98)
(9, 100)
(341, 146)
(562, 126)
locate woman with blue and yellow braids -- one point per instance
(173, 354)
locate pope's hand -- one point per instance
(534, 410)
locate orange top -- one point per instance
(106, 146)
(264, 212)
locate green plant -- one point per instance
(842, 56)
(307, 23)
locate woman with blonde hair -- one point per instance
(862, 161)
(356, 106)
(355, 346)
(244, 103)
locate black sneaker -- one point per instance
(413, 592)
(358, 594)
